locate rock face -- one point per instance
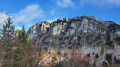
(85, 30)
(78, 24)
(39, 28)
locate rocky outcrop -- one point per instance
(39, 28)
(76, 31)
(78, 24)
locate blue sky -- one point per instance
(29, 12)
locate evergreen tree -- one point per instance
(8, 35)
(8, 31)
(24, 35)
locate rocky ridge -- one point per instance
(85, 30)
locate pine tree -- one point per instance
(8, 35)
(8, 31)
(24, 32)
(24, 35)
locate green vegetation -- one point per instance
(109, 57)
(88, 54)
(8, 32)
(45, 22)
(117, 61)
(22, 37)
(17, 51)
(93, 53)
(14, 53)
(97, 56)
(109, 42)
(105, 64)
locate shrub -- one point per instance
(117, 61)
(60, 64)
(109, 57)
(59, 53)
(97, 56)
(105, 64)
(88, 54)
(93, 53)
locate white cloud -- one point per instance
(114, 2)
(52, 20)
(29, 25)
(28, 14)
(18, 28)
(108, 3)
(65, 3)
(3, 18)
(52, 12)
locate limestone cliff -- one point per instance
(76, 31)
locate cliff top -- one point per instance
(66, 20)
